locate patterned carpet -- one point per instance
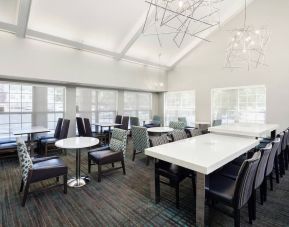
(119, 201)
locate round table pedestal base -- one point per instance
(77, 183)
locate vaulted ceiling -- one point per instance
(112, 27)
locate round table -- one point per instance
(77, 143)
(160, 130)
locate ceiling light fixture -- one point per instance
(247, 47)
(179, 19)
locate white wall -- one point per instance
(34, 60)
(203, 68)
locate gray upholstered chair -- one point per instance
(156, 122)
(191, 132)
(177, 125)
(38, 169)
(134, 121)
(235, 193)
(216, 122)
(178, 135)
(184, 120)
(115, 152)
(140, 139)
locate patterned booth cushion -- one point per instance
(118, 140)
(158, 140)
(178, 135)
(24, 160)
(140, 138)
(177, 125)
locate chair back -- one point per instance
(156, 120)
(80, 126)
(124, 122)
(64, 129)
(284, 141)
(178, 135)
(118, 140)
(24, 160)
(118, 119)
(134, 121)
(270, 164)
(140, 138)
(281, 136)
(58, 128)
(217, 122)
(88, 131)
(245, 180)
(193, 132)
(184, 120)
(158, 140)
(261, 170)
(177, 125)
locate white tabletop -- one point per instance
(107, 124)
(77, 142)
(245, 129)
(160, 129)
(34, 129)
(204, 153)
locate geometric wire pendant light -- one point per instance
(246, 49)
(180, 19)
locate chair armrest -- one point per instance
(100, 149)
(37, 160)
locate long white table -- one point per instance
(246, 129)
(202, 154)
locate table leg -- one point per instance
(273, 134)
(109, 135)
(200, 199)
(78, 181)
(152, 183)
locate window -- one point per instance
(15, 108)
(55, 105)
(138, 104)
(239, 105)
(97, 105)
(180, 104)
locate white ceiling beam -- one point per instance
(80, 46)
(7, 27)
(196, 42)
(23, 17)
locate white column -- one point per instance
(70, 109)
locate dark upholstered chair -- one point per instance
(8, 148)
(115, 152)
(124, 123)
(38, 169)
(178, 135)
(175, 174)
(134, 121)
(140, 139)
(118, 120)
(235, 193)
(64, 129)
(88, 132)
(284, 149)
(233, 170)
(191, 132)
(48, 142)
(80, 127)
(216, 122)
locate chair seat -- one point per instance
(106, 156)
(7, 140)
(47, 169)
(48, 140)
(6, 146)
(172, 171)
(221, 187)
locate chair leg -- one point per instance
(265, 190)
(157, 188)
(253, 204)
(194, 185)
(250, 211)
(26, 190)
(236, 217)
(148, 160)
(57, 179)
(276, 165)
(112, 164)
(133, 155)
(271, 182)
(99, 173)
(21, 186)
(177, 186)
(65, 183)
(262, 193)
(45, 149)
(89, 165)
(123, 167)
